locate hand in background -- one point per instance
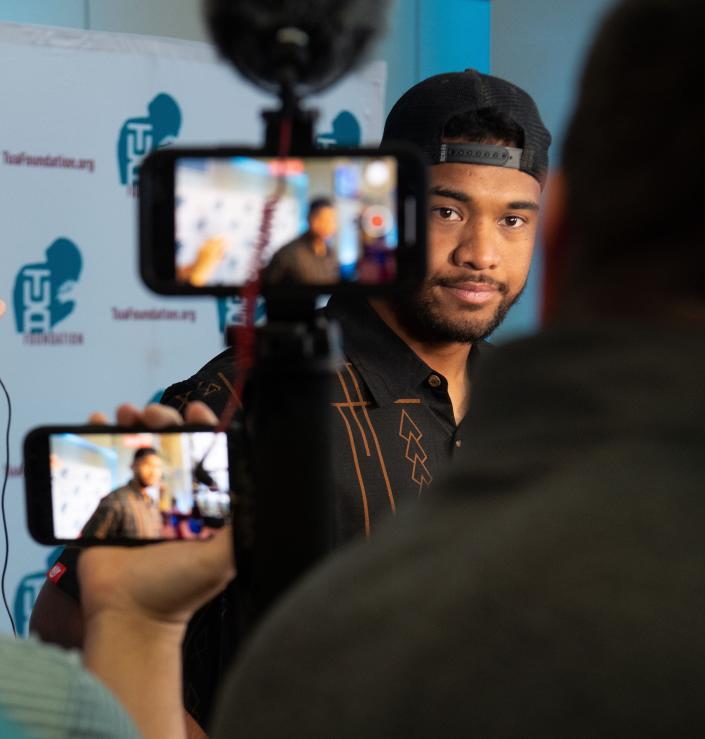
(210, 255)
(160, 585)
(137, 601)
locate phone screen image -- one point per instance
(142, 485)
(335, 221)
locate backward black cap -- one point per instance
(421, 113)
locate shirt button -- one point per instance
(458, 443)
(434, 381)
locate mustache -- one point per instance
(459, 282)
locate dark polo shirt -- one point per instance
(393, 430)
(392, 427)
(296, 262)
(393, 435)
(126, 513)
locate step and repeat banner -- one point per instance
(79, 111)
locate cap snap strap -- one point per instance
(496, 156)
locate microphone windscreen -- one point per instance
(313, 42)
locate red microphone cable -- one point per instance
(245, 331)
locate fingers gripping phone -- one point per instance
(113, 485)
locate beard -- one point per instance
(427, 319)
(146, 481)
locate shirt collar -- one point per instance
(390, 368)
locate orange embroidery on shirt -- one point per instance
(414, 451)
(380, 456)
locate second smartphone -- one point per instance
(112, 485)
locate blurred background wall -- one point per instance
(536, 44)
(539, 46)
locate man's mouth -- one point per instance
(473, 293)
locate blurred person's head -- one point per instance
(488, 151)
(322, 219)
(623, 232)
(147, 467)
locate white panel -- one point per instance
(68, 96)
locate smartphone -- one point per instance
(115, 485)
(350, 220)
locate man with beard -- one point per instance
(130, 512)
(404, 391)
(308, 260)
(554, 584)
(401, 398)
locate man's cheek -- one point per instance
(439, 252)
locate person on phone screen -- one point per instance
(130, 511)
(308, 259)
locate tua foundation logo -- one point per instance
(43, 295)
(231, 312)
(345, 131)
(142, 134)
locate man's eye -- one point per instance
(513, 221)
(446, 214)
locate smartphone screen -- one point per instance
(346, 221)
(335, 220)
(129, 485)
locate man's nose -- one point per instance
(477, 246)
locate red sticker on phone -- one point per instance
(56, 572)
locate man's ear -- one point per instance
(555, 246)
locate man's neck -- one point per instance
(449, 359)
(139, 488)
(318, 245)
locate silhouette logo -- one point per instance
(139, 136)
(156, 396)
(345, 132)
(42, 295)
(231, 313)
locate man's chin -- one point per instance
(439, 328)
(438, 323)
(464, 332)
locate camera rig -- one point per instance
(284, 510)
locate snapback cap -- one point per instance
(421, 113)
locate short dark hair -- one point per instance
(317, 203)
(633, 157)
(144, 451)
(484, 126)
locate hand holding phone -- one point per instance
(136, 602)
(139, 581)
(140, 481)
